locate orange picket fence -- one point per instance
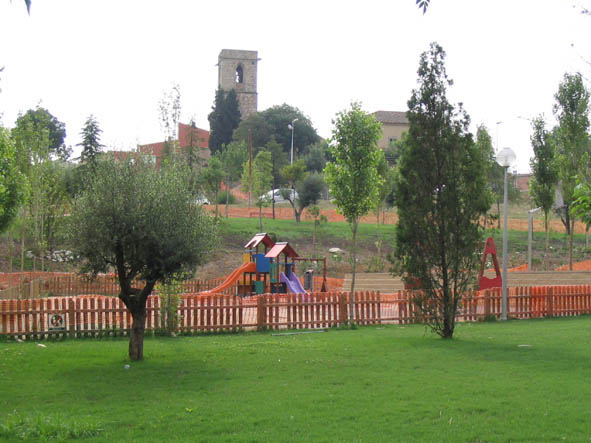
(99, 315)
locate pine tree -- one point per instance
(91, 140)
(223, 119)
(440, 194)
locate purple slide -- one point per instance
(294, 286)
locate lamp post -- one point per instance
(292, 126)
(504, 159)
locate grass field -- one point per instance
(387, 383)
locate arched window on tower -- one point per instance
(239, 74)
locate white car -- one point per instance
(202, 200)
(278, 197)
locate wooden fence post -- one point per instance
(71, 318)
(550, 302)
(343, 318)
(261, 313)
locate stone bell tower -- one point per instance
(237, 70)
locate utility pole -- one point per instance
(249, 169)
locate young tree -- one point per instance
(223, 119)
(143, 223)
(91, 141)
(211, 179)
(440, 196)
(352, 177)
(233, 157)
(295, 174)
(38, 137)
(572, 139)
(316, 157)
(545, 175)
(279, 161)
(262, 167)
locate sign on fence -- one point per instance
(56, 322)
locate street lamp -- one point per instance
(505, 158)
(292, 126)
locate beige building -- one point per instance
(237, 69)
(394, 123)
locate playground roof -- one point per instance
(257, 239)
(281, 248)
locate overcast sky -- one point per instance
(115, 59)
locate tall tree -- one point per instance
(12, 181)
(143, 223)
(352, 176)
(440, 196)
(40, 120)
(91, 140)
(223, 119)
(274, 122)
(545, 174)
(572, 139)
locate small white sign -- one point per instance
(57, 322)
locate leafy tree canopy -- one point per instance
(39, 131)
(274, 122)
(12, 182)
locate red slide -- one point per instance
(235, 275)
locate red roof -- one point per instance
(281, 248)
(257, 239)
(188, 136)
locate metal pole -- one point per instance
(505, 252)
(292, 127)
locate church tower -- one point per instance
(237, 70)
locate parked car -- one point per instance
(202, 200)
(278, 197)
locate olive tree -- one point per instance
(143, 223)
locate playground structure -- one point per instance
(486, 282)
(263, 270)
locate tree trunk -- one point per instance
(136, 339)
(499, 214)
(227, 193)
(547, 228)
(260, 219)
(23, 244)
(570, 249)
(354, 267)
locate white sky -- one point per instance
(115, 58)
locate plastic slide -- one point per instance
(235, 275)
(294, 286)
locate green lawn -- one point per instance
(372, 384)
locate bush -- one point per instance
(222, 198)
